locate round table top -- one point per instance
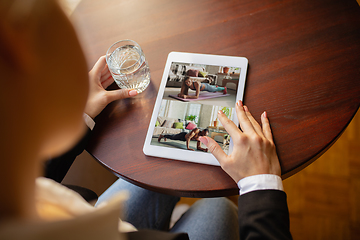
(304, 69)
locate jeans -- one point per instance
(211, 218)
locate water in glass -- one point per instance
(129, 68)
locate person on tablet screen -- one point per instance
(197, 86)
(184, 136)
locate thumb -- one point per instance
(214, 148)
(120, 94)
(99, 66)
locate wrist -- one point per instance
(90, 110)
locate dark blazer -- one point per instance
(56, 168)
(263, 214)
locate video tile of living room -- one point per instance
(176, 117)
(214, 75)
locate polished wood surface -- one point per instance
(304, 59)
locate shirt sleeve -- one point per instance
(89, 121)
(260, 182)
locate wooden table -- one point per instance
(304, 70)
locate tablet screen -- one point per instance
(194, 93)
(188, 105)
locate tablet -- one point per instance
(194, 87)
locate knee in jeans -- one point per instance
(218, 203)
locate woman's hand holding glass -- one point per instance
(99, 79)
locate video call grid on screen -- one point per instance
(179, 116)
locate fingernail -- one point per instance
(203, 140)
(220, 112)
(239, 103)
(133, 93)
(264, 114)
(246, 109)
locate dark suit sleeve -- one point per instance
(264, 214)
(56, 168)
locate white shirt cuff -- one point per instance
(89, 121)
(260, 182)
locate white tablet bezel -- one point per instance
(206, 59)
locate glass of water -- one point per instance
(128, 66)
